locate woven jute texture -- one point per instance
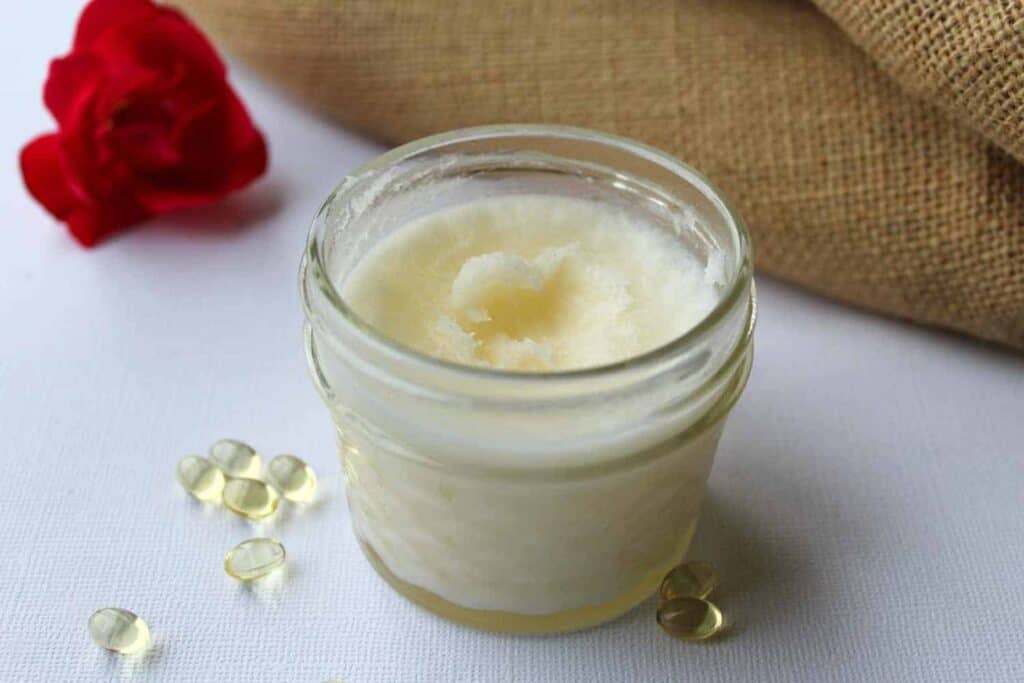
(874, 146)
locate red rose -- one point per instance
(147, 123)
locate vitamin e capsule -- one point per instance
(250, 498)
(292, 477)
(689, 580)
(200, 477)
(690, 618)
(118, 630)
(253, 559)
(236, 459)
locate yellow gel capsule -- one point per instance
(200, 477)
(689, 580)
(292, 477)
(250, 498)
(254, 559)
(118, 630)
(237, 459)
(690, 618)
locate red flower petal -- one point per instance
(211, 136)
(147, 122)
(45, 178)
(174, 31)
(249, 163)
(220, 151)
(84, 228)
(165, 41)
(102, 16)
(71, 85)
(140, 135)
(89, 225)
(239, 124)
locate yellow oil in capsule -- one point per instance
(690, 618)
(236, 459)
(118, 630)
(254, 559)
(250, 498)
(200, 477)
(292, 477)
(689, 580)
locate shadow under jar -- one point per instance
(512, 501)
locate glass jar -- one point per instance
(513, 501)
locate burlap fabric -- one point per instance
(874, 146)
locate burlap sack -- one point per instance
(896, 191)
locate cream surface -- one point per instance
(523, 547)
(532, 283)
(528, 283)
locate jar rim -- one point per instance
(313, 272)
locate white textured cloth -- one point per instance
(866, 514)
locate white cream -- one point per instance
(532, 283)
(528, 547)
(529, 283)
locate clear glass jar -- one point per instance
(514, 501)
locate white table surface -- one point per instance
(866, 511)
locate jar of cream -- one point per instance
(529, 338)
